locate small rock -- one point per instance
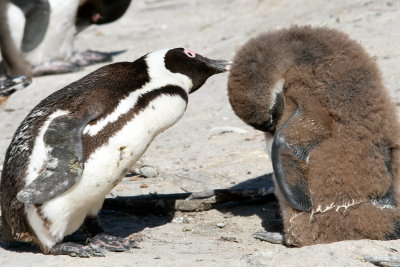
(221, 225)
(145, 171)
(226, 129)
(181, 219)
(186, 229)
(229, 239)
(138, 237)
(144, 186)
(149, 171)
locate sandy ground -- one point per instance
(193, 155)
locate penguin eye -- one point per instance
(189, 53)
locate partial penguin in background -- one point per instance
(43, 32)
(332, 130)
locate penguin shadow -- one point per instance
(124, 216)
(114, 222)
(126, 223)
(265, 207)
(127, 220)
(20, 247)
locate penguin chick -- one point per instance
(11, 85)
(79, 142)
(335, 146)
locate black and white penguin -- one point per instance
(332, 131)
(36, 25)
(78, 143)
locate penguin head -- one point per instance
(99, 12)
(196, 68)
(256, 83)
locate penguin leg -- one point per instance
(99, 239)
(63, 139)
(91, 226)
(90, 57)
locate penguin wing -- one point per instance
(37, 17)
(290, 158)
(63, 139)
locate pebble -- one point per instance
(144, 186)
(221, 225)
(146, 171)
(226, 129)
(229, 239)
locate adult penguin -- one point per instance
(78, 143)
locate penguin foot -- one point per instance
(390, 260)
(271, 237)
(112, 243)
(90, 57)
(55, 67)
(76, 250)
(12, 84)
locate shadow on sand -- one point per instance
(121, 219)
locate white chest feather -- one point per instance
(105, 168)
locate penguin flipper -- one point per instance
(63, 139)
(37, 17)
(289, 158)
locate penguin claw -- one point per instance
(112, 243)
(76, 250)
(271, 237)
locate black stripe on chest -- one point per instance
(91, 143)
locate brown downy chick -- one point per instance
(335, 146)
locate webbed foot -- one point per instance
(271, 237)
(112, 243)
(74, 63)
(76, 250)
(389, 261)
(12, 84)
(55, 67)
(90, 57)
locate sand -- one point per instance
(194, 154)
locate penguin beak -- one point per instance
(217, 65)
